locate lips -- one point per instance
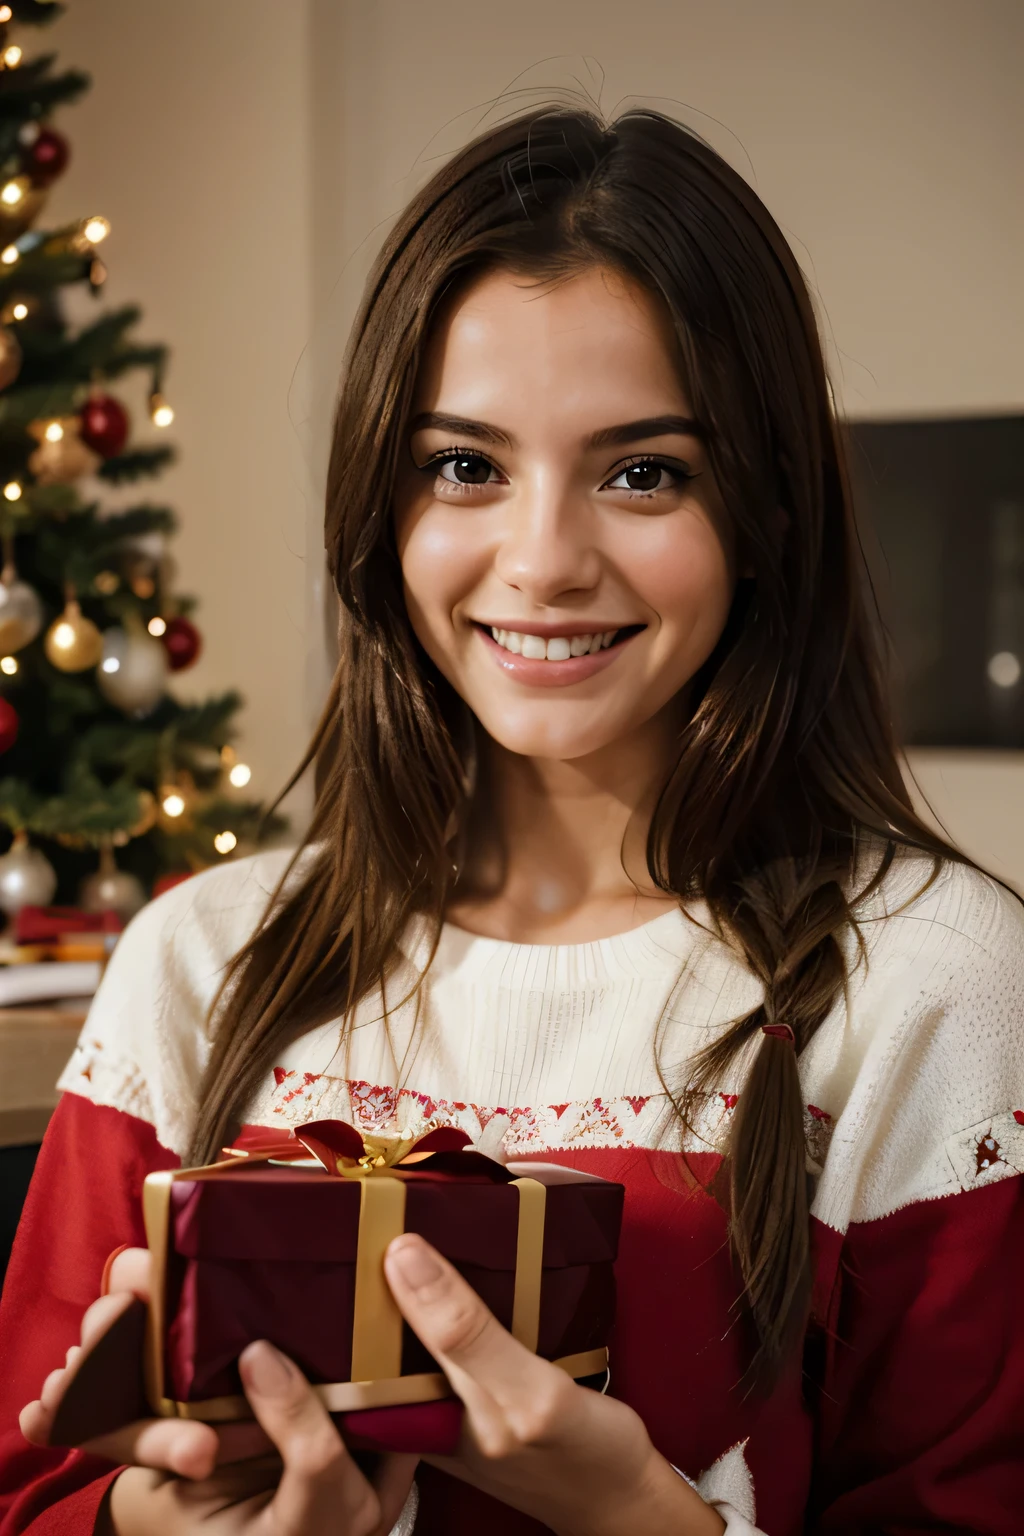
(552, 647)
(552, 662)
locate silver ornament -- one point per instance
(21, 614)
(27, 878)
(112, 890)
(132, 673)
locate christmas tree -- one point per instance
(96, 755)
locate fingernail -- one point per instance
(417, 1264)
(266, 1370)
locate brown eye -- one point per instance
(466, 469)
(644, 477)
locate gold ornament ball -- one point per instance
(61, 456)
(10, 358)
(73, 643)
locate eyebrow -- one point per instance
(625, 432)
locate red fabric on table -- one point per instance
(260, 1252)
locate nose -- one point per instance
(548, 547)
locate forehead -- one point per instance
(595, 344)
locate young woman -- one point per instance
(611, 863)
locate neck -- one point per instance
(572, 837)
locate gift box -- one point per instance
(285, 1240)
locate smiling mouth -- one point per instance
(558, 647)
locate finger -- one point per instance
(130, 1272)
(184, 1447)
(320, 1482)
(455, 1325)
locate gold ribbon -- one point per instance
(376, 1378)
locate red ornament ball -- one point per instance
(183, 642)
(8, 725)
(47, 157)
(104, 425)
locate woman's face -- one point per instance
(562, 541)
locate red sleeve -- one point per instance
(922, 1409)
(84, 1201)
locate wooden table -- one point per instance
(35, 1044)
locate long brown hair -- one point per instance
(787, 771)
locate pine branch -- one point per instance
(50, 501)
(25, 94)
(18, 407)
(206, 724)
(136, 464)
(18, 804)
(40, 269)
(88, 809)
(126, 358)
(94, 345)
(35, 13)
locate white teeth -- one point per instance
(558, 648)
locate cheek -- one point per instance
(685, 577)
(440, 566)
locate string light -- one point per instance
(9, 255)
(20, 311)
(240, 775)
(225, 841)
(160, 413)
(54, 432)
(172, 804)
(12, 490)
(157, 626)
(110, 664)
(13, 192)
(5, 13)
(9, 665)
(11, 56)
(96, 229)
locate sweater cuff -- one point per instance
(76, 1513)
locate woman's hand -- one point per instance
(579, 1462)
(288, 1474)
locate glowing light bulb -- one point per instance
(54, 432)
(20, 311)
(9, 665)
(173, 805)
(225, 841)
(12, 490)
(157, 626)
(12, 56)
(110, 664)
(9, 255)
(1004, 669)
(240, 774)
(96, 229)
(64, 636)
(160, 412)
(5, 13)
(11, 193)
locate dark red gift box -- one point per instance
(253, 1249)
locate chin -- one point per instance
(550, 738)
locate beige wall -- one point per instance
(249, 152)
(194, 142)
